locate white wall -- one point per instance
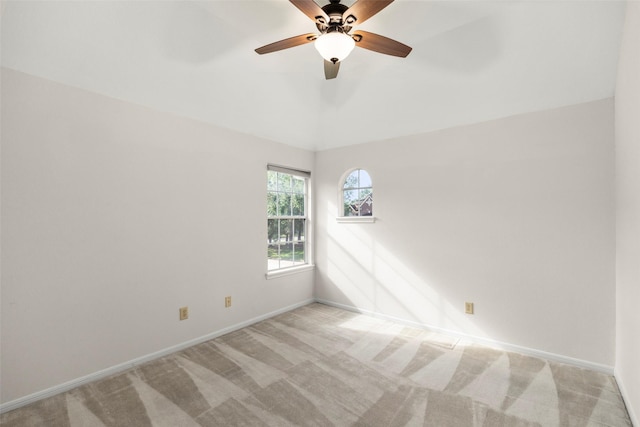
(627, 130)
(515, 215)
(113, 217)
(111, 220)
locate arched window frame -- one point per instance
(359, 187)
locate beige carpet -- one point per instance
(321, 366)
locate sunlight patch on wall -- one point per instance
(350, 277)
(408, 291)
(372, 278)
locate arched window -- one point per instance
(357, 194)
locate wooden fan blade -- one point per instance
(362, 10)
(287, 43)
(331, 69)
(380, 44)
(311, 9)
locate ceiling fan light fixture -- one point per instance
(334, 46)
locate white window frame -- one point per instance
(341, 218)
(308, 261)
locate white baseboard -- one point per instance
(480, 340)
(61, 388)
(625, 396)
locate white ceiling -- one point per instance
(471, 61)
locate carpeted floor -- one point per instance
(322, 366)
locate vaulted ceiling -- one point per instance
(471, 61)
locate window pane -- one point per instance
(273, 258)
(284, 182)
(272, 230)
(363, 193)
(286, 252)
(350, 197)
(365, 179)
(366, 202)
(273, 251)
(298, 255)
(272, 181)
(284, 204)
(350, 210)
(298, 205)
(298, 229)
(272, 204)
(352, 180)
(298, 185)
(286, 228)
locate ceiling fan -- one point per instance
(336, 40)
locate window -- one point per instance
(357, 194)
(287, 210)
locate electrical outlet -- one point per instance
(227, 302)
(468, 307)
(184, 313)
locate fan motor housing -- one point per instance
(335, 11)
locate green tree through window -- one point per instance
(286, 218)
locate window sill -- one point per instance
(289, 271)
(355, 219)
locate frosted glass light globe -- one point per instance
(334, 46)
